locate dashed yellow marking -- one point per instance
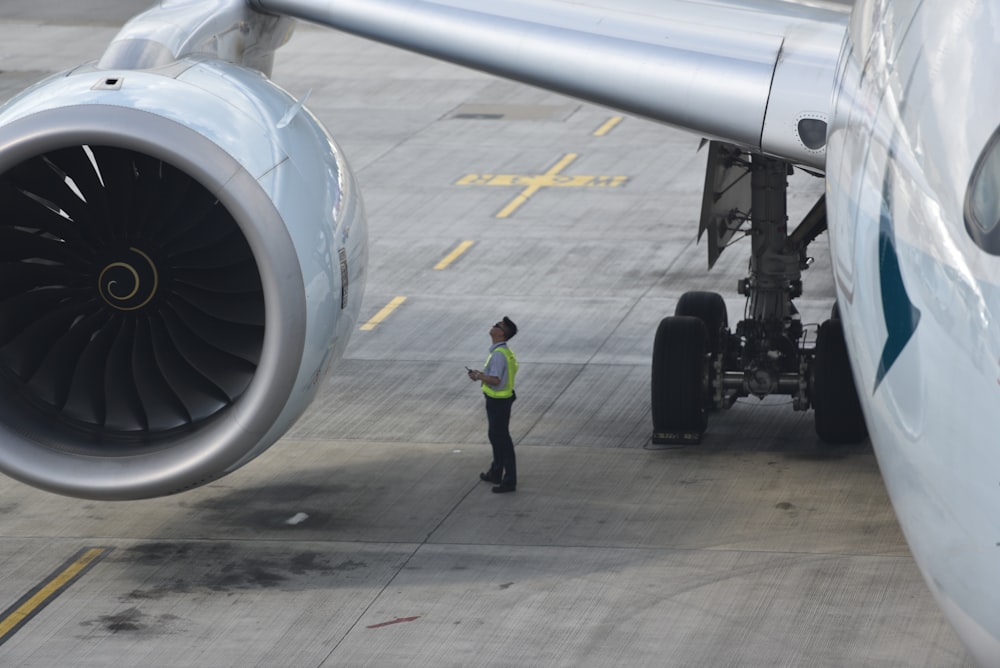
(31, 603)
(553, 178)
(453, 255)
(383, 314)
(608, 126)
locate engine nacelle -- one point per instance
(183, 259)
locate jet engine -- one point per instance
(183, 259)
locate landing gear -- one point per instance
(700, 365)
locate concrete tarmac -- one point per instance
(365, 538)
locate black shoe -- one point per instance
(490, 477)
(503, 488)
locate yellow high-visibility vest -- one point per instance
(507, 390)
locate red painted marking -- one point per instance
(398, 620)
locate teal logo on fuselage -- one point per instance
(900, 315)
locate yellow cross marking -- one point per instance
(553, 178)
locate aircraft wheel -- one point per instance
(710, 308)
(678, 380)
(839, 419)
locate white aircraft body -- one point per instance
(184, 245)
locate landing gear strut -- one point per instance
(699, 364)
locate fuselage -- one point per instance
(912, 180)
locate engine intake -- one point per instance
(131, 306)
(182, 263)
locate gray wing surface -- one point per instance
(758, 74)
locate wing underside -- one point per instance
(758, 74)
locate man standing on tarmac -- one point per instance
(497, 379)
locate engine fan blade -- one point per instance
(163, 408)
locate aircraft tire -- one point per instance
(678, 380)
(710, 308)
(838, 415)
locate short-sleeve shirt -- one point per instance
(497, 364)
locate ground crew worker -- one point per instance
(497, 378)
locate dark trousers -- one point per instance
(498, 416)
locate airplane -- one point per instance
(185, 244)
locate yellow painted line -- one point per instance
(31, 603)
(608, 126)
(383, 314)
(452, 256)
(553, 178)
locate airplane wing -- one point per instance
(758, 74)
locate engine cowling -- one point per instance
(183, 259)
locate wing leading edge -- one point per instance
(760, 78)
